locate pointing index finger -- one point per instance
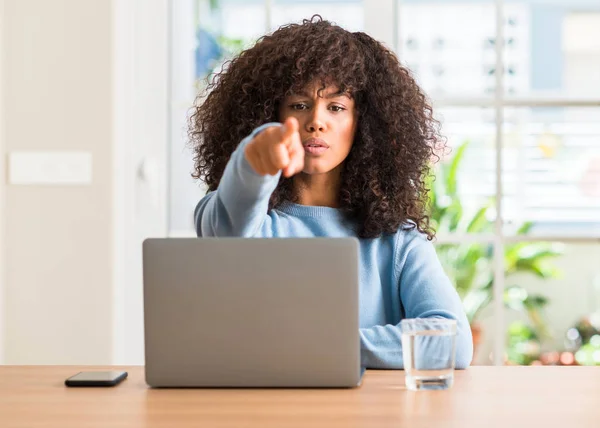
(290, 127)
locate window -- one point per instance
(516, 86)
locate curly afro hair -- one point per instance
(384, 178)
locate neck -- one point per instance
(318, 189)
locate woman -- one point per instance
(317, 131)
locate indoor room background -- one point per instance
(94, 97)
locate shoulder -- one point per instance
(412, 246)
(414, 255)
(409, 238)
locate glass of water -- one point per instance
(429, 352)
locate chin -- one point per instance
(312, 168)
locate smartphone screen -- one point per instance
(99, 378)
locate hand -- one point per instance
(277, 148)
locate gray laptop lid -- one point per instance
(239, 312)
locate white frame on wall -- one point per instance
(140, 158)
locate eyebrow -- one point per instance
(332, 95)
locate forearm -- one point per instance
(381, 346)
(240, 204)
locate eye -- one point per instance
(337, 108)
(299, 106)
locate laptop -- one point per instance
(251, 312)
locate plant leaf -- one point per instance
(479, 223)
(455, 211)
(474, 302)
(451, 186)
(525, 228)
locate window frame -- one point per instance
(388, 31)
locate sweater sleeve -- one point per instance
(240, 204)
(425, 292)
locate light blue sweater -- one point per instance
(400, 274)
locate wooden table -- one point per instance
(488, 397)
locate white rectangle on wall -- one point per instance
(49, 168)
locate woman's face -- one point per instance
(327, 125)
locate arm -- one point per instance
(240, 204)
(425, 292)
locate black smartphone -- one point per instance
(108, 378)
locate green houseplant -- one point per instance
(470, 265)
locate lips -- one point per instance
(315, 146)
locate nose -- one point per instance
(316, 122)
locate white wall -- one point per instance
(57, 242)
(2, 196)
(92, 76)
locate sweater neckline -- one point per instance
(309, 211)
